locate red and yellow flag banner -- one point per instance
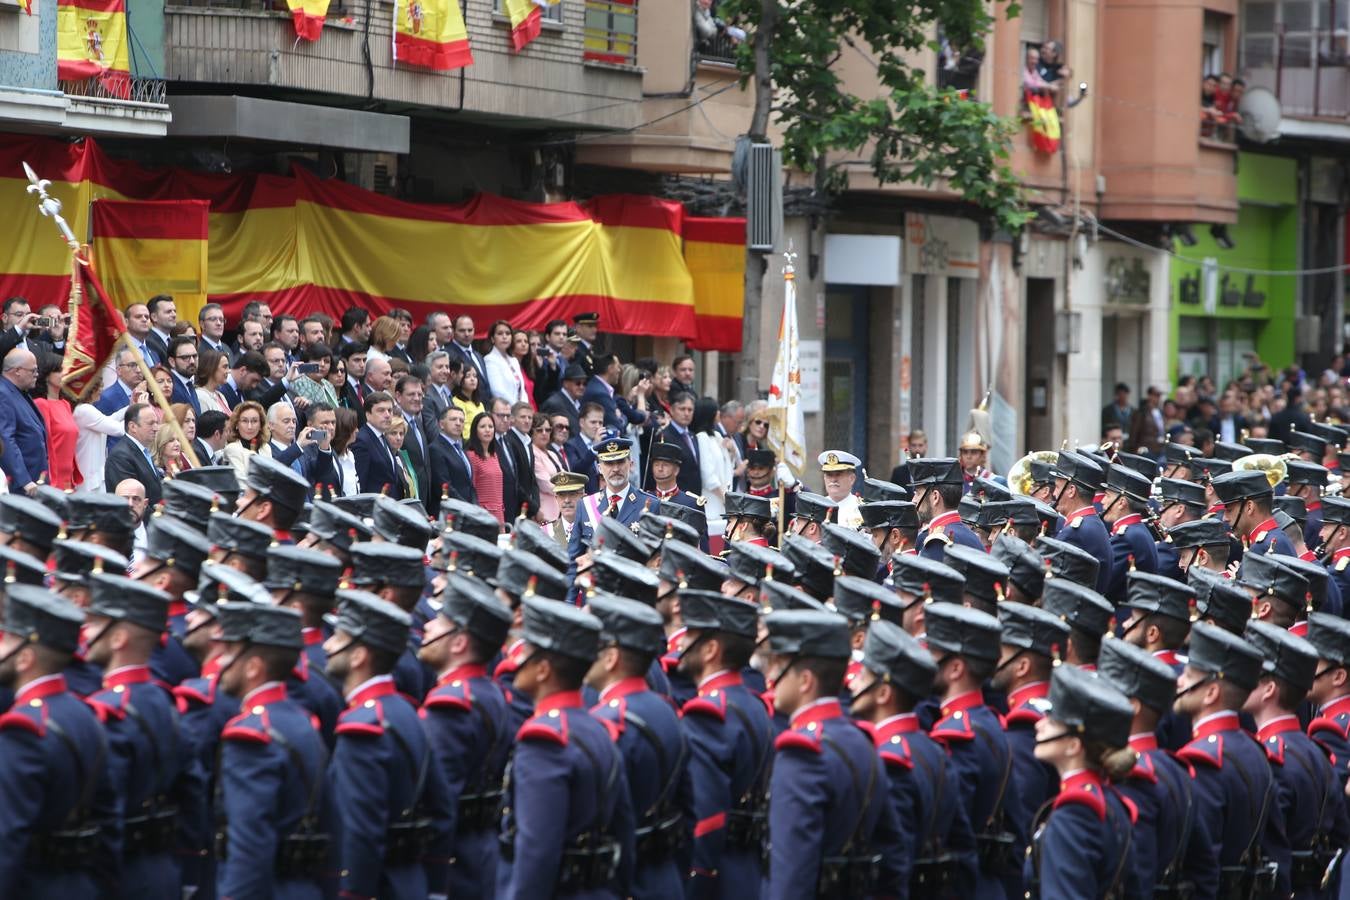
(305, 245)
(1044, 122)
(308, 17)
(714, 252)
(431, 34)
(149, 247)
(527, 18)
(95, 326)
(91, 42)
(27, 6)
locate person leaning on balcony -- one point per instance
(707, 27)
(1052, 69)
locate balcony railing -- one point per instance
(720, 49)
(337, 9)
(134, 89)
(1306, 70)
(610, 32)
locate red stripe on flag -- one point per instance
(103, 6)
(416, 51)
(717, 333)
(307, 26)
(637, 211)
(714, 231)
(173, 219)
(528, 30)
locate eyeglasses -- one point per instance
(562, 427)
(542, 429)
(759, 422)
(186, 356)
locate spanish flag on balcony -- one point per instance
(431, 34)
(91, 42)
(526, 16)
(27, 6)
(308, 17)
(1044, 122)
(148, 247)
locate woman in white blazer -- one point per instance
(503, 370)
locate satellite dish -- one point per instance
(1260, 112)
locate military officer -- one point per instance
(467, 724)
(1247, 498)
(1173, 848)
(937, 493)
(616, 499)
(567, 822)
(1133, 547)
(651, 739)
(59, 833)
(1233, 784)
(568, 487)
(665, 459)
(306, 580)
(1087, 614)
(160, 782)
(839, 470)
(1083, 841)
(965, 644)
(274, 812)
(732, 746)
(897, 673)
(834, 828)
(1077, 479)
(1309, 793)
(75, 561)
(1306, 481)
(1031, 642)
(1336, 540)
(389, 793)
(750, 518)
(894, 526)
(973, 451)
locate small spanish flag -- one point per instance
(526, 18)
(148, 247)
(1044, 122)
(91, 42)
(431, 34)
(308, 17)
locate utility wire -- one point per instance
(1241, 270)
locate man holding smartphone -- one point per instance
(317, 463)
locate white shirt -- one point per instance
(504, 378)
(91, 444)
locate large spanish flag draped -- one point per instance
(91, 42)
(304, 245)
(308, 17)
(526, 20)
(148, 247)
(431, 34)
(714, 252)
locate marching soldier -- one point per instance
(395, 573)
(1160, 621)
(1065, 560)
(174, 553)
(306, 581)
(1077, 479)
(1202, 543)
(1330, 692)
(1219, 601)
(1177, 459)
(388, 791)
(1082, 845)
(1174, 850)
(1026, 569)
(1306, 481)
(965, 644)
(1279, 594)
(732, 742)
(834, 830)
(894, 525)
(897, 673)
(274, 494)
(750, 519)
(814, 564)
(1182, 501)
(274, 811)
(839, 470)
(152, 766)
(467, 725)
(59, 834)
(937, 493)
(332, 530)
(75, 561)
(1336, 540)
(104, 519)
(916, 580)
(985, 577)
(650, 738)
(567, 822)
(1246, 499)
(1310, 794)
(863, 602)
(1233, 784)
(1087, 614)
(29, 527)
(1031, 642)
(809, 515)
(240, 544)
(1132, 543)
(854, 552)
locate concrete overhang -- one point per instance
(254, 119)
(1315, 129)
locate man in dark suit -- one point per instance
(131, 457)
(566, 401)
(272, 388)
(1228, 424)
(210, 438)
(450, 469)
(183, 367)
(353, 394)
(246, 374)
(678, 433)
(442, 376)
(548, 374)
(461, 349)
(23, 433)
(518, 479)
(117, 396)
(1146, 426)
(601, 389)
(580, 457)
(376, 470)
(163, 316)
(1290, 419)
(317, 464)
(281, 422)
(409, 394)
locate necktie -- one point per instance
(416, 431)
(562, 453)
(689, 442)
(504, 452)
(613, 510)
(557, 459)
(459, 451)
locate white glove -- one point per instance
(737, 34)
(785, 476)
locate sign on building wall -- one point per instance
(941, 245)
(808, 358)
(1128, 281)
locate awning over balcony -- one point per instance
(302, 124)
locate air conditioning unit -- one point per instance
(764, 197)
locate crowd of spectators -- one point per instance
(497, 417)
(1260, 403)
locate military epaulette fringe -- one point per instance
(797, 740)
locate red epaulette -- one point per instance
(955, 727)
(1023, 715)
(544, 728)
(1274, 747)
(895, 752)
(1086, 795)
(451, 695)
(1340, 726)
(1207, 751)
(714, 706)
(246, 726)
(1143, 770)
(25, 718)
(360, 721)
(798, 740)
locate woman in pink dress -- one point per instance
(62, 432)
(546, 465)
(487, 469)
